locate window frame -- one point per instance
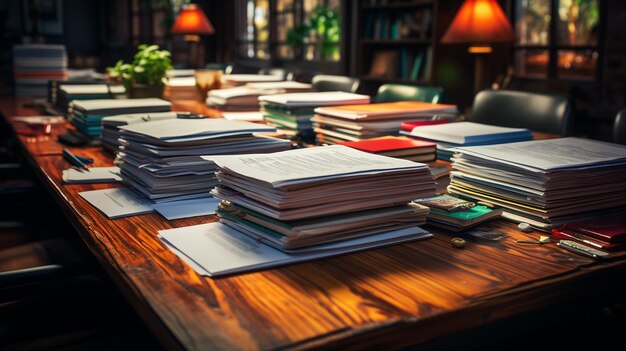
(553, 47)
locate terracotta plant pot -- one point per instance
(141, 91)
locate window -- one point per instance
(288, 30)
(557, 38)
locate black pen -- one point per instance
(71, 158)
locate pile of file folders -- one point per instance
(338, 124)
(36, 64)
(547, 183)
(299, 200)
(291, 113)
(86, 115)
(66, 93)
(161, 159)
(246, 98)
(111, 124)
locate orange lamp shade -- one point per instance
(192, 20)
(479, 22)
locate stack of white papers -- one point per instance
(546, 183)
(245, 98)
(110, 125)
(451, 135)
(161, 159)
(240, 79)
(70, 92)
(312, 196)
(215, 249)
(93, 176)
(36, 64)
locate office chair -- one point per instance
(283, 73)
(323, 82)
(619, 128)
(227, 68)
(539, 112)
(400, 92)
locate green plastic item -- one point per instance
(401, 92)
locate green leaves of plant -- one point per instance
(148, 67)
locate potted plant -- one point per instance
(144, 77)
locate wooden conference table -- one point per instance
(386, 298)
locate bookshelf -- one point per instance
(394, 41)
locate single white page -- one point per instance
(309, 163)
(118, 202)
(187, 208)
(544, 155)
(94, 175)
(39, 119)
(458, 132)
(181, 128)
(253, 116)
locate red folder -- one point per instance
(384, 144)
(408, 126)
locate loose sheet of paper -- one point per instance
(118, 202)
(187, 208)
(93, 176)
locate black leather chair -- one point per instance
(541, 113)
(280, 72)
(323, 82)
(619, 128)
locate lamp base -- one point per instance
(479, 52)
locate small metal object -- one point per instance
(530, 241)
(490, 235)
(582, 249)
(525, 227)
(458, 242)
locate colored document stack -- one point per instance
(111, 124)
(67, 93)
(301, 205)
(291, 113)
(36, 64)
(87, 115)
(451, 135)
(454, 214)
(360, 122)
(161, 159)
(545, 183)
(313, 196)
(246, 98)
(400, 147)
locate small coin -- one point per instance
(458, 242)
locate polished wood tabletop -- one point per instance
(385, 298)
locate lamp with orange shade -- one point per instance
(192, 22)
(479, 23)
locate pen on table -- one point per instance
(71, 158)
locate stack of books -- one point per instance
(360, 122)
(291, 113)
(36, 64)
(454, 214)
(246, 98)
(161, 159)
(545, 183)
(605, 234)
(180, 88)
(400, 147)
(86, 115)
(111, 124)
(451, 135)
(67, 93)
(301, 198)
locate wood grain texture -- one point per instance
(386, 298)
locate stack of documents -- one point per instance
(397, 146)
(110, 125)
(36, 64)
(232, 80)
(161, 159)
(546, 183)
(291, 113)
(87, 115)
(360, 122)
(70, 92)
(180, 88)
(246, 98)
(451, 135)
(313, 196)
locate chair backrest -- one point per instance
(619, 128)
(400, 92)
(281, 72)
(227, 68)
(541, 113)
(323, 82)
